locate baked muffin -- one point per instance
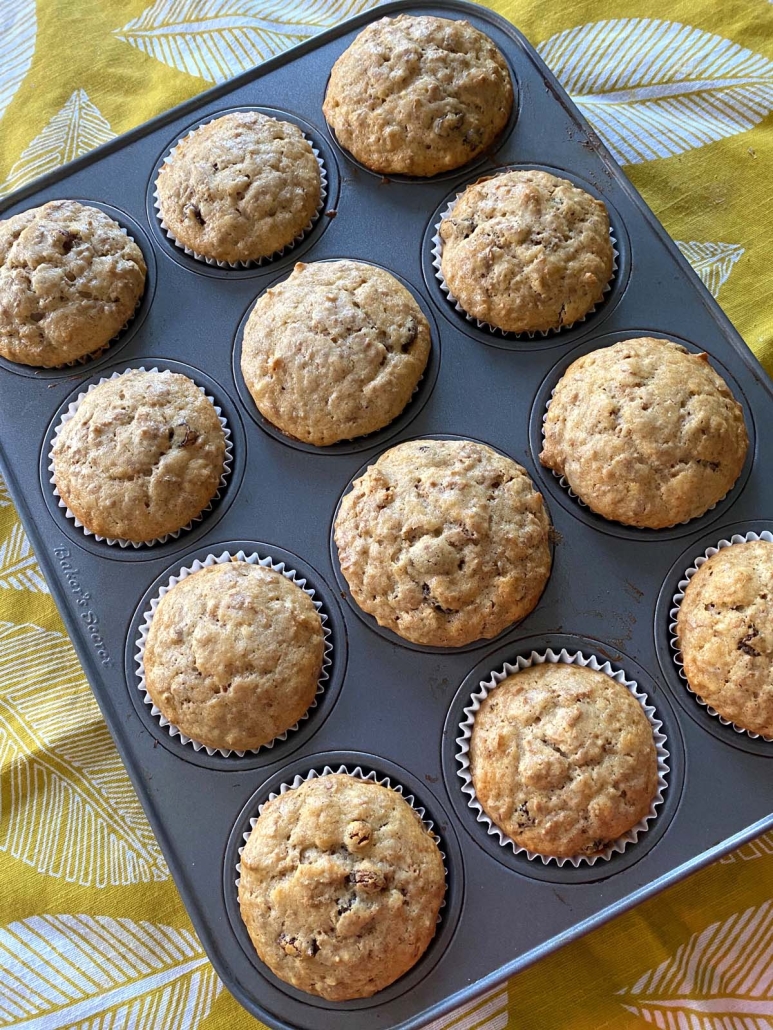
(233, 655)
(444, 541)
(142, 456)
(645, 432)
(563, 759)
(335, 351)
(239, 188)
(418, 95)
(526, 251)
(70, 279)
(725, 632)
(340, 887)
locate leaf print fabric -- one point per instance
(216, 39)
(18, 28)
(66, 971)
(93, 935)
(73, 131)
(712, 261)
(654, 88)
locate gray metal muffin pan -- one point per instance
(389, 707)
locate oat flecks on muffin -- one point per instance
(563, 759)
(645, 432)
(240, 188)
(70, 279)
(526, 251)
(418, 95)
(340, 887)
(335, 351)
(444, 541)
(725, 632)
(141, 456)
(233, 655)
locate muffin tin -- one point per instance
(392, 708)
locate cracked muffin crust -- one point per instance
(340, 887)
(645, 432)
(335, 351)
(418, 95)
(563, 759)
(725, 633)
(444, 541)
(239, 188)
(70, 279)
(233, 655)
(526, 251)
(141, 456)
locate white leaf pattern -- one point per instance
(5, 497)
(68, 808)
(712, 261)
(74, 130)
(19, 569)
(79, 972)
(488, 1012)
(654, 88)
(18, 27)
(720, 979)
(755, 848)
(215, 39)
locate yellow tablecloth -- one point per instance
(681, 92)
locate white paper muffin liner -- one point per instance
(673, 614)
(437, 257)
(227, 463)
(563, 482)
(360, 774)
(566, 658)
(268, 257)
(197, 566)
(86, 358)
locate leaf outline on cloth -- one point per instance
(18, 29)
(216, 39)
(489, 1012)
(653, 88)
(67, 807)
(725, 970)
(5, 497)
(712, 261)
(62, 971)
(76, 128)
(19, 569)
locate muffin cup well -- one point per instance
(359, 774)
(437, 257)
(566, 658)
(268, 257)
(197, 566)
(673, 614)
(71, 410)
(563, 482)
